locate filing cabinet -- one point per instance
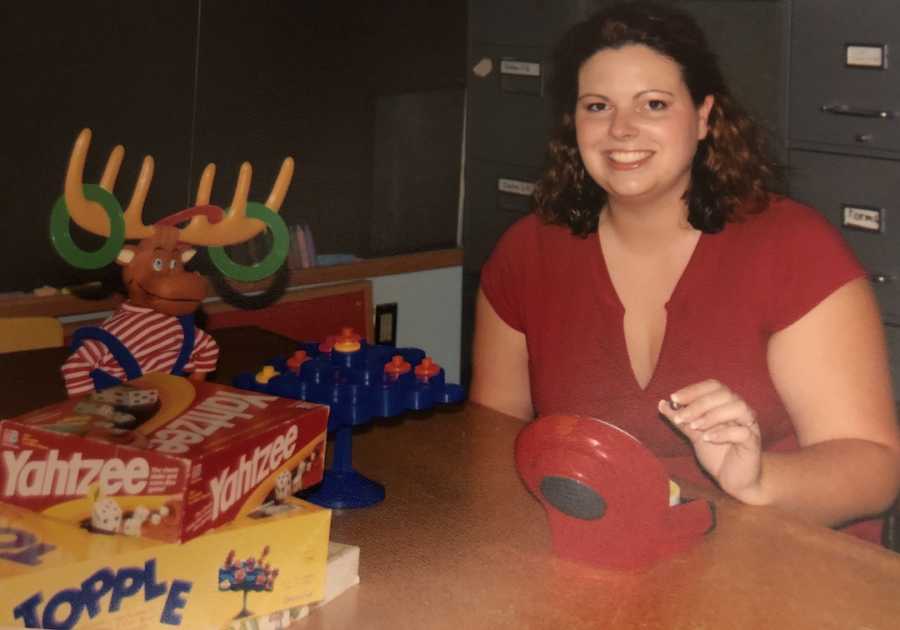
(844, 134)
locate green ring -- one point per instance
(268, 265)
(62, 239)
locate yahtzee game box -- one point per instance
(58, 575)
(162, 457)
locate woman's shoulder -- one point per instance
(533, 226)
(783, 209)
(532, 233)
(784, 218)
(787, 235)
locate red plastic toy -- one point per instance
(606, 495)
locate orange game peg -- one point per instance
(426, 369)
(297, 359)
(327, 344)
(397, 366)
(347, 341)
(266, 374)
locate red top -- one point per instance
(740, 286)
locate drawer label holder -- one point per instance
(863, 218)
(867, 56)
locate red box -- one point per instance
(162, 456)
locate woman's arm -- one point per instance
(830, 369)
(499, 364)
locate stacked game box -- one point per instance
(59, 575)
(161, 457)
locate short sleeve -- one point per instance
(504, 277)
(812, 262)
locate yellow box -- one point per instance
(56, 575)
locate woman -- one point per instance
(660, 287)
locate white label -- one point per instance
(864, 56)
(520, 68)
(55, 476)
(515, 187)
(868, 219)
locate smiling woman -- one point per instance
(657, 267)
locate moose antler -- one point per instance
(234, 228)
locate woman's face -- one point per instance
(636, 125)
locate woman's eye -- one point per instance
(656, 105)
(157, 264)
(597, 107)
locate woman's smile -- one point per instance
(628, 160)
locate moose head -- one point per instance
(155, 331)
(153, 271)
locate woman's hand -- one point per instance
(724, 433)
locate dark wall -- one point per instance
(224, 81)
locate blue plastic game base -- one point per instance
(357, 388)
(348, 489)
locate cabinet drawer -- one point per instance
(845, 74)
(497, 195)
(508, 117)
(861, 196)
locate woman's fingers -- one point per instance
(687, 395)
(735, 410)
(732, 433)
(707, 404)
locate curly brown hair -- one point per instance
(731, 171)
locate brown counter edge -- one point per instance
(59, 305)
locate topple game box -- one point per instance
(58, 575)
(161, 457)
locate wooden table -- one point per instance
(459, 543)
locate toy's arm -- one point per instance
(76, 370)
(205, 356)
(500, 378)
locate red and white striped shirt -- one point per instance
(153, 338)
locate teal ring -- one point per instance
(62, 238)
(268, 265)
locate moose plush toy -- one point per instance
(153, 330)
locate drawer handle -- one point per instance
(880, 278)
(846, 110)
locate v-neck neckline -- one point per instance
(611, 296)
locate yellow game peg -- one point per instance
(266, 374)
